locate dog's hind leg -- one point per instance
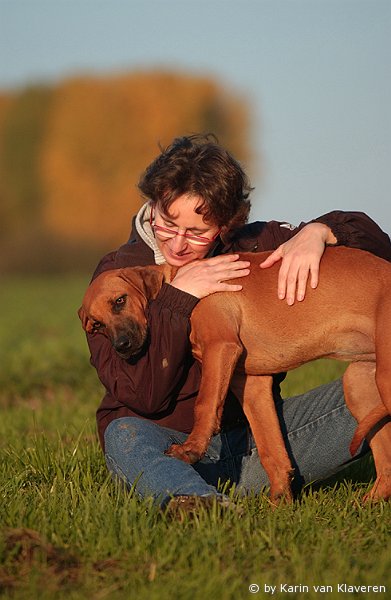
(256, 395)
(383, 352)
(376, 417)
(362, 395)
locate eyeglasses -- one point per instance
(166, 233)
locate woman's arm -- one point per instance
(303, 249)
(357, 230)
(148, 384)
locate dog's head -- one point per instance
(115, 305)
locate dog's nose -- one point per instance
(122, 344)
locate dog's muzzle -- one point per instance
(123, 345)
(131, 342)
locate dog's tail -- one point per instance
(364, 427)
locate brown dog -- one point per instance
(243, 338)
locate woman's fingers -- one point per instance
(203, 277)
(300, 259)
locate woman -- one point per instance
(197, 204)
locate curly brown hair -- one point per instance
(199, 166)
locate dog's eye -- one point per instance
(97, 325)
(121, 300)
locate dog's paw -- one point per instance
(183, 452)
(381, 489)
(280, 495)
(281, 499)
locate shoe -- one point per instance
(182, 507)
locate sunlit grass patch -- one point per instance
(68, 531)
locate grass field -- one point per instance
(68, 532)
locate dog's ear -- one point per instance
(85, 321)
(82, 316)
(150, 279)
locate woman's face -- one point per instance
(188, 225)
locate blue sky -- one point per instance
(316, 73)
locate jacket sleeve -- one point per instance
(357, 230)
(148, 384)
(352, 229)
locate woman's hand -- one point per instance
(300, 257)
(206, 276)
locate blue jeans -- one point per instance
(317, 428)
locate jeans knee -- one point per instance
(124, 433)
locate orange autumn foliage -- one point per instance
(101, 135)
(71, 156)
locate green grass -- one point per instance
(68, 532)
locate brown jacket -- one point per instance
(166, 394)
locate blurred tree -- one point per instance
(22, 130)
(103, 133)
(72, 155)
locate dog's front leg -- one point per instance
(259, 407)
(218, 364)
